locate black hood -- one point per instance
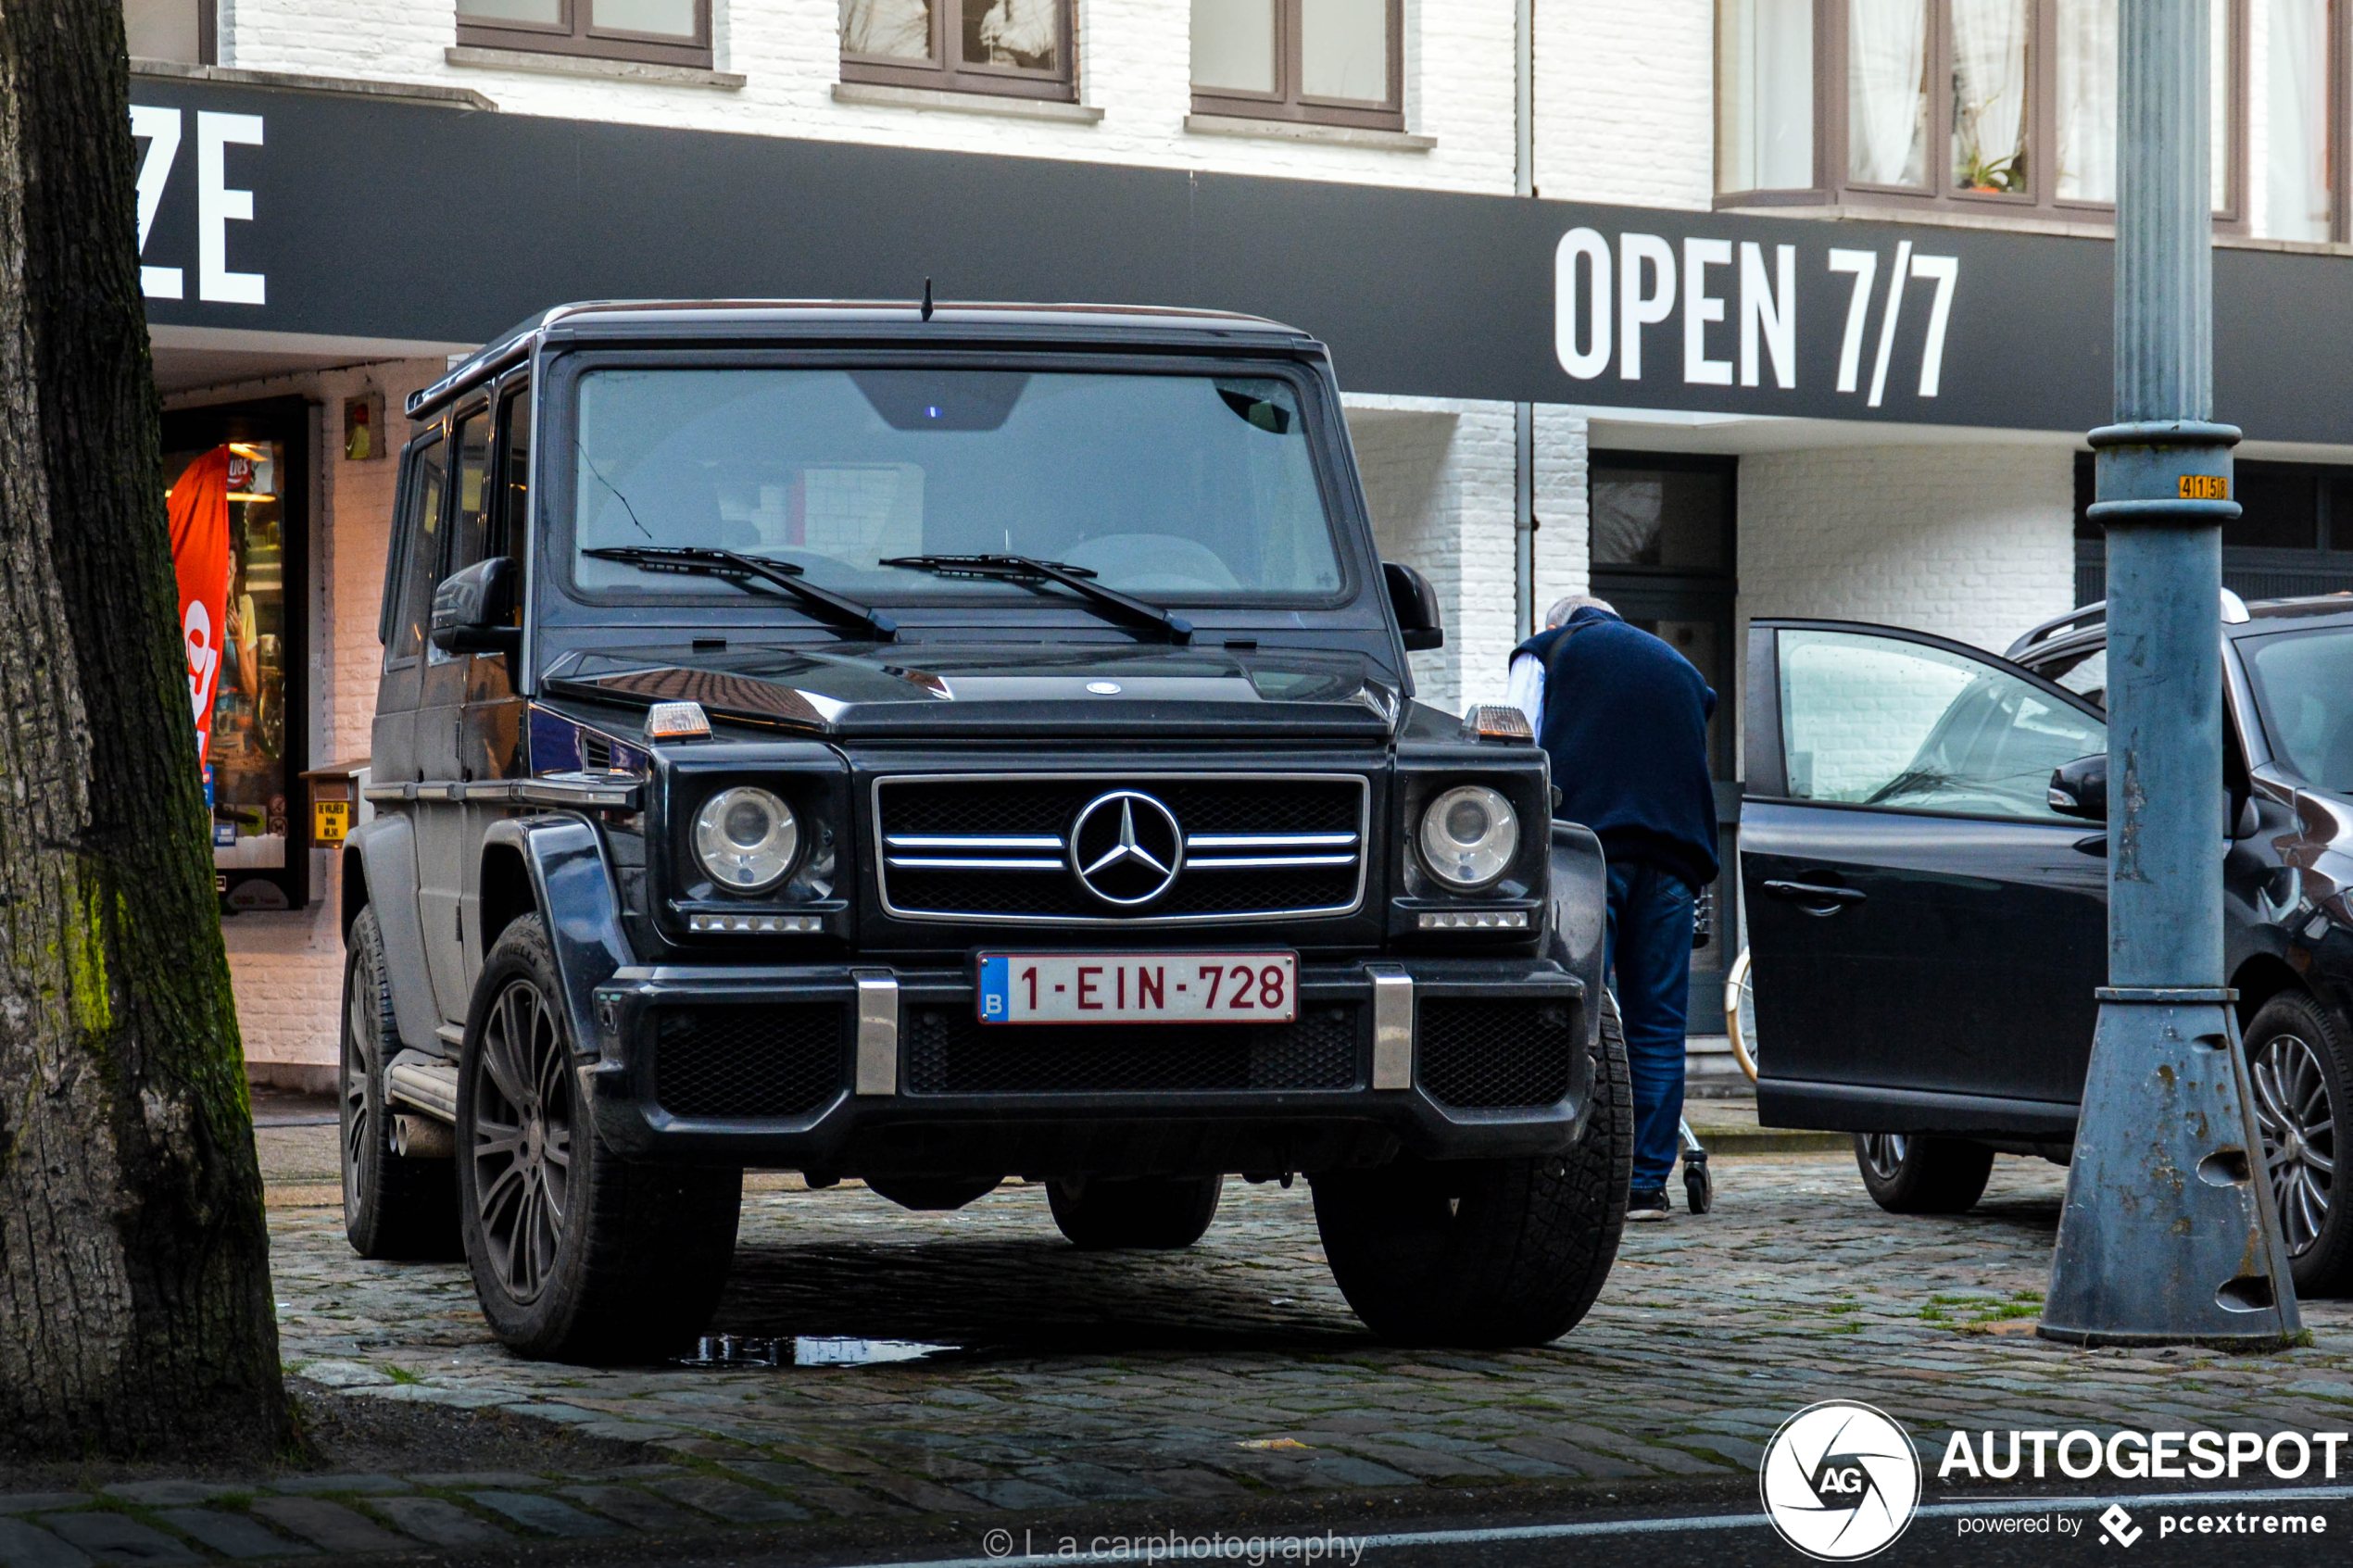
(996, 690)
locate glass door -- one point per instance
(1663, 555)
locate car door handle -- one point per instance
(2091, 844)
(1815, 893)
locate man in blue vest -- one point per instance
(1624, 717)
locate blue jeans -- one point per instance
(1650, 955)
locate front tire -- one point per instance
(1160, 1213)
(1487, 1253)
(2297, 1064)
(393, 1208)
(1910, 1174)
(576, 1255)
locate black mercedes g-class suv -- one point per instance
(936, 748)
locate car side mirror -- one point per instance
(473, 611)
(2080, 788)
(1416, 605)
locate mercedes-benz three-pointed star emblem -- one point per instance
(1127, 849)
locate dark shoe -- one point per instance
(1647, 1203)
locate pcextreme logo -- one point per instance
(1840, 1481)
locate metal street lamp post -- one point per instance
(2170, 1233)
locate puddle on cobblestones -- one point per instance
(730, 1351)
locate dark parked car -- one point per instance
(1923, 859)
(935, 748)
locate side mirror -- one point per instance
(2080, 788)
(473, 611)
(1416, 605)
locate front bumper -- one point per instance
(878, 1071)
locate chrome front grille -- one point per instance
(1000, 846)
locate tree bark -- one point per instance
(134, 1289)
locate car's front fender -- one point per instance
(573, 886)
(1578, 893)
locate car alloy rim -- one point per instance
(2299, 1135)
(1885, 1151)
(521, 1139)
(358, 1127)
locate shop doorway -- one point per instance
(260, 694)
(1666, 555)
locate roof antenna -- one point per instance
(926, 299)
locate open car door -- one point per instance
(1925, 931)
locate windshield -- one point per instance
(2301, 682)
(1169, 487)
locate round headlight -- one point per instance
(746, 839)
(1470, 835)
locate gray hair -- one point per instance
(1558, 615)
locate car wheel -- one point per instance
(1911, 1174)
(1487, 1253)
(393, 1208)
(576, 1254)
(2296, 1056)
(1157, 1212)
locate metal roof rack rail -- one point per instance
(2233, 613)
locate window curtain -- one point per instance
(2086, 67)
(1764, 124)
(900, 29)
(1989, 95)
(1887, 92)
(1020, 32)
(2297, 171)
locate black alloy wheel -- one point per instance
(2296, 1066)
(393, 1207)
(1912, 1174)
(577, 1254)
(521, 1143)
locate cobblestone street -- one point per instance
(1230, 1372)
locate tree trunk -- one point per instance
(134, 1278)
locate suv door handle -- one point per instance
(1815, 893)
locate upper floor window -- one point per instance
(172, 29)
(1336, 61)
(661, 31)
(2011, 103)
(1017, 47)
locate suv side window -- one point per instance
(1877, 720)
(471, 523)
(2085, 675)
(420, 566)
(514, 508)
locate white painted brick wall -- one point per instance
(1975, 543)
(1625, 101)
(1135, 64)
(1563, 549)
(1439, 479)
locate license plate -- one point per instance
(1138, 987)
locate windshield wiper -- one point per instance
(731, 565)
(1109, 603)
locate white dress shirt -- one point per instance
(1524, 689)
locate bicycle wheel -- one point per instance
(1740, 1015)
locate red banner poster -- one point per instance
(198, 508)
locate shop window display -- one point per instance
(237, 522)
